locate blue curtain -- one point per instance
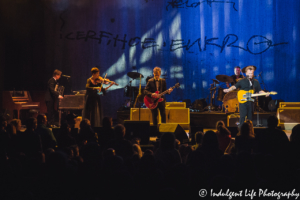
(191, 40)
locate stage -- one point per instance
(209, 119)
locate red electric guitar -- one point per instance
(152, 102)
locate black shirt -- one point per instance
(244, 84)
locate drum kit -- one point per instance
(229, 100)
(132, 91)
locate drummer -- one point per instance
(236, 77)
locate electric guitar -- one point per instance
(152, 102)
(244, 96)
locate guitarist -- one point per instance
(247, 83)
(153, 85)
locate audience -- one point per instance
(122, 146)
(47, 138)
(167, 154)
(65, 137)
(86, 133)
(82, 168)
(224, 135)
(244, 141)
(198, 139)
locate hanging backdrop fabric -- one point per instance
(191, 40)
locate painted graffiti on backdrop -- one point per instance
(186, 4)
(256, 44)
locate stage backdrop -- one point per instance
(191, 40)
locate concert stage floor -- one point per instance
(208, 119)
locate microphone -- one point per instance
(66, 76)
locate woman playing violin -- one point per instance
(92, 108)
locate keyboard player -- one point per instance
(52, 96)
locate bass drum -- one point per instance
(230, 101)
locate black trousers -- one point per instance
(50, 112)
(161, 107)
(246, 109)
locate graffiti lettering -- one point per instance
(257, 44)
(186, 4)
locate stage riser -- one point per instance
(205, 120)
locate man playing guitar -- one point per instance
(153, 85)
(247, 84)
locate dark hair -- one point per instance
(199, 137)
(210, 140)
(167, 141)
(85, 123)
(119, 131)
(57, 72)
(94, 70)
(40, 118)
(106, 122)
(245, 130)
(272, 121)
(220, 123)
(31, 123)
(237, 67)
(295, 136)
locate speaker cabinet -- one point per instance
(142, 114)
(175, 105)
(288, 115)
(289, 104)
(178, 131)
(233, 120)
(139, 129)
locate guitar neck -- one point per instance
(165, 92)
(257, 95)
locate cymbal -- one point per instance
(224, 78)
(215, 81)
(134, 75)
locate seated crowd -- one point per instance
(37, 164)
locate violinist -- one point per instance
(92, 108)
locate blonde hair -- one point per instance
(156, 69)
(57, 72)
(250, 67)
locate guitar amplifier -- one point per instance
(288, 115)
(179, 116)
(233, 120)
(175, 104)
(142, 114)
(289, 104)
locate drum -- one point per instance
(231, 102)
(220, 94)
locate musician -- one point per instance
(153, 85)
(247, 83)
(52, 96)
(237, 76)
(92, 108)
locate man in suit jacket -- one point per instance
(153, 85)
(52, 96)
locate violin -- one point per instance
(104, 80)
